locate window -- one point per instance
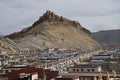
(77, 70)
(93, 70)
(73, 70)
(6, 71)
(88, 70)
(81, 70)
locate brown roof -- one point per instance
(15, 74)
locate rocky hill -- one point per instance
(107, 37)
(8, 45)
(52, 30)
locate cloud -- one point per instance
(93, 14)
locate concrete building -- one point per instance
(85, 68)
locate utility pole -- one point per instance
(44, 75)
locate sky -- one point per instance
(94, 15)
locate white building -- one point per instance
(85, 68)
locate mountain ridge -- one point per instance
(52, 30)
(107, 36)
(50, 16)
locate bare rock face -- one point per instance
(8, 45)
(52, 30)
(52, 17)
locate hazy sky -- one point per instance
(94, 15)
